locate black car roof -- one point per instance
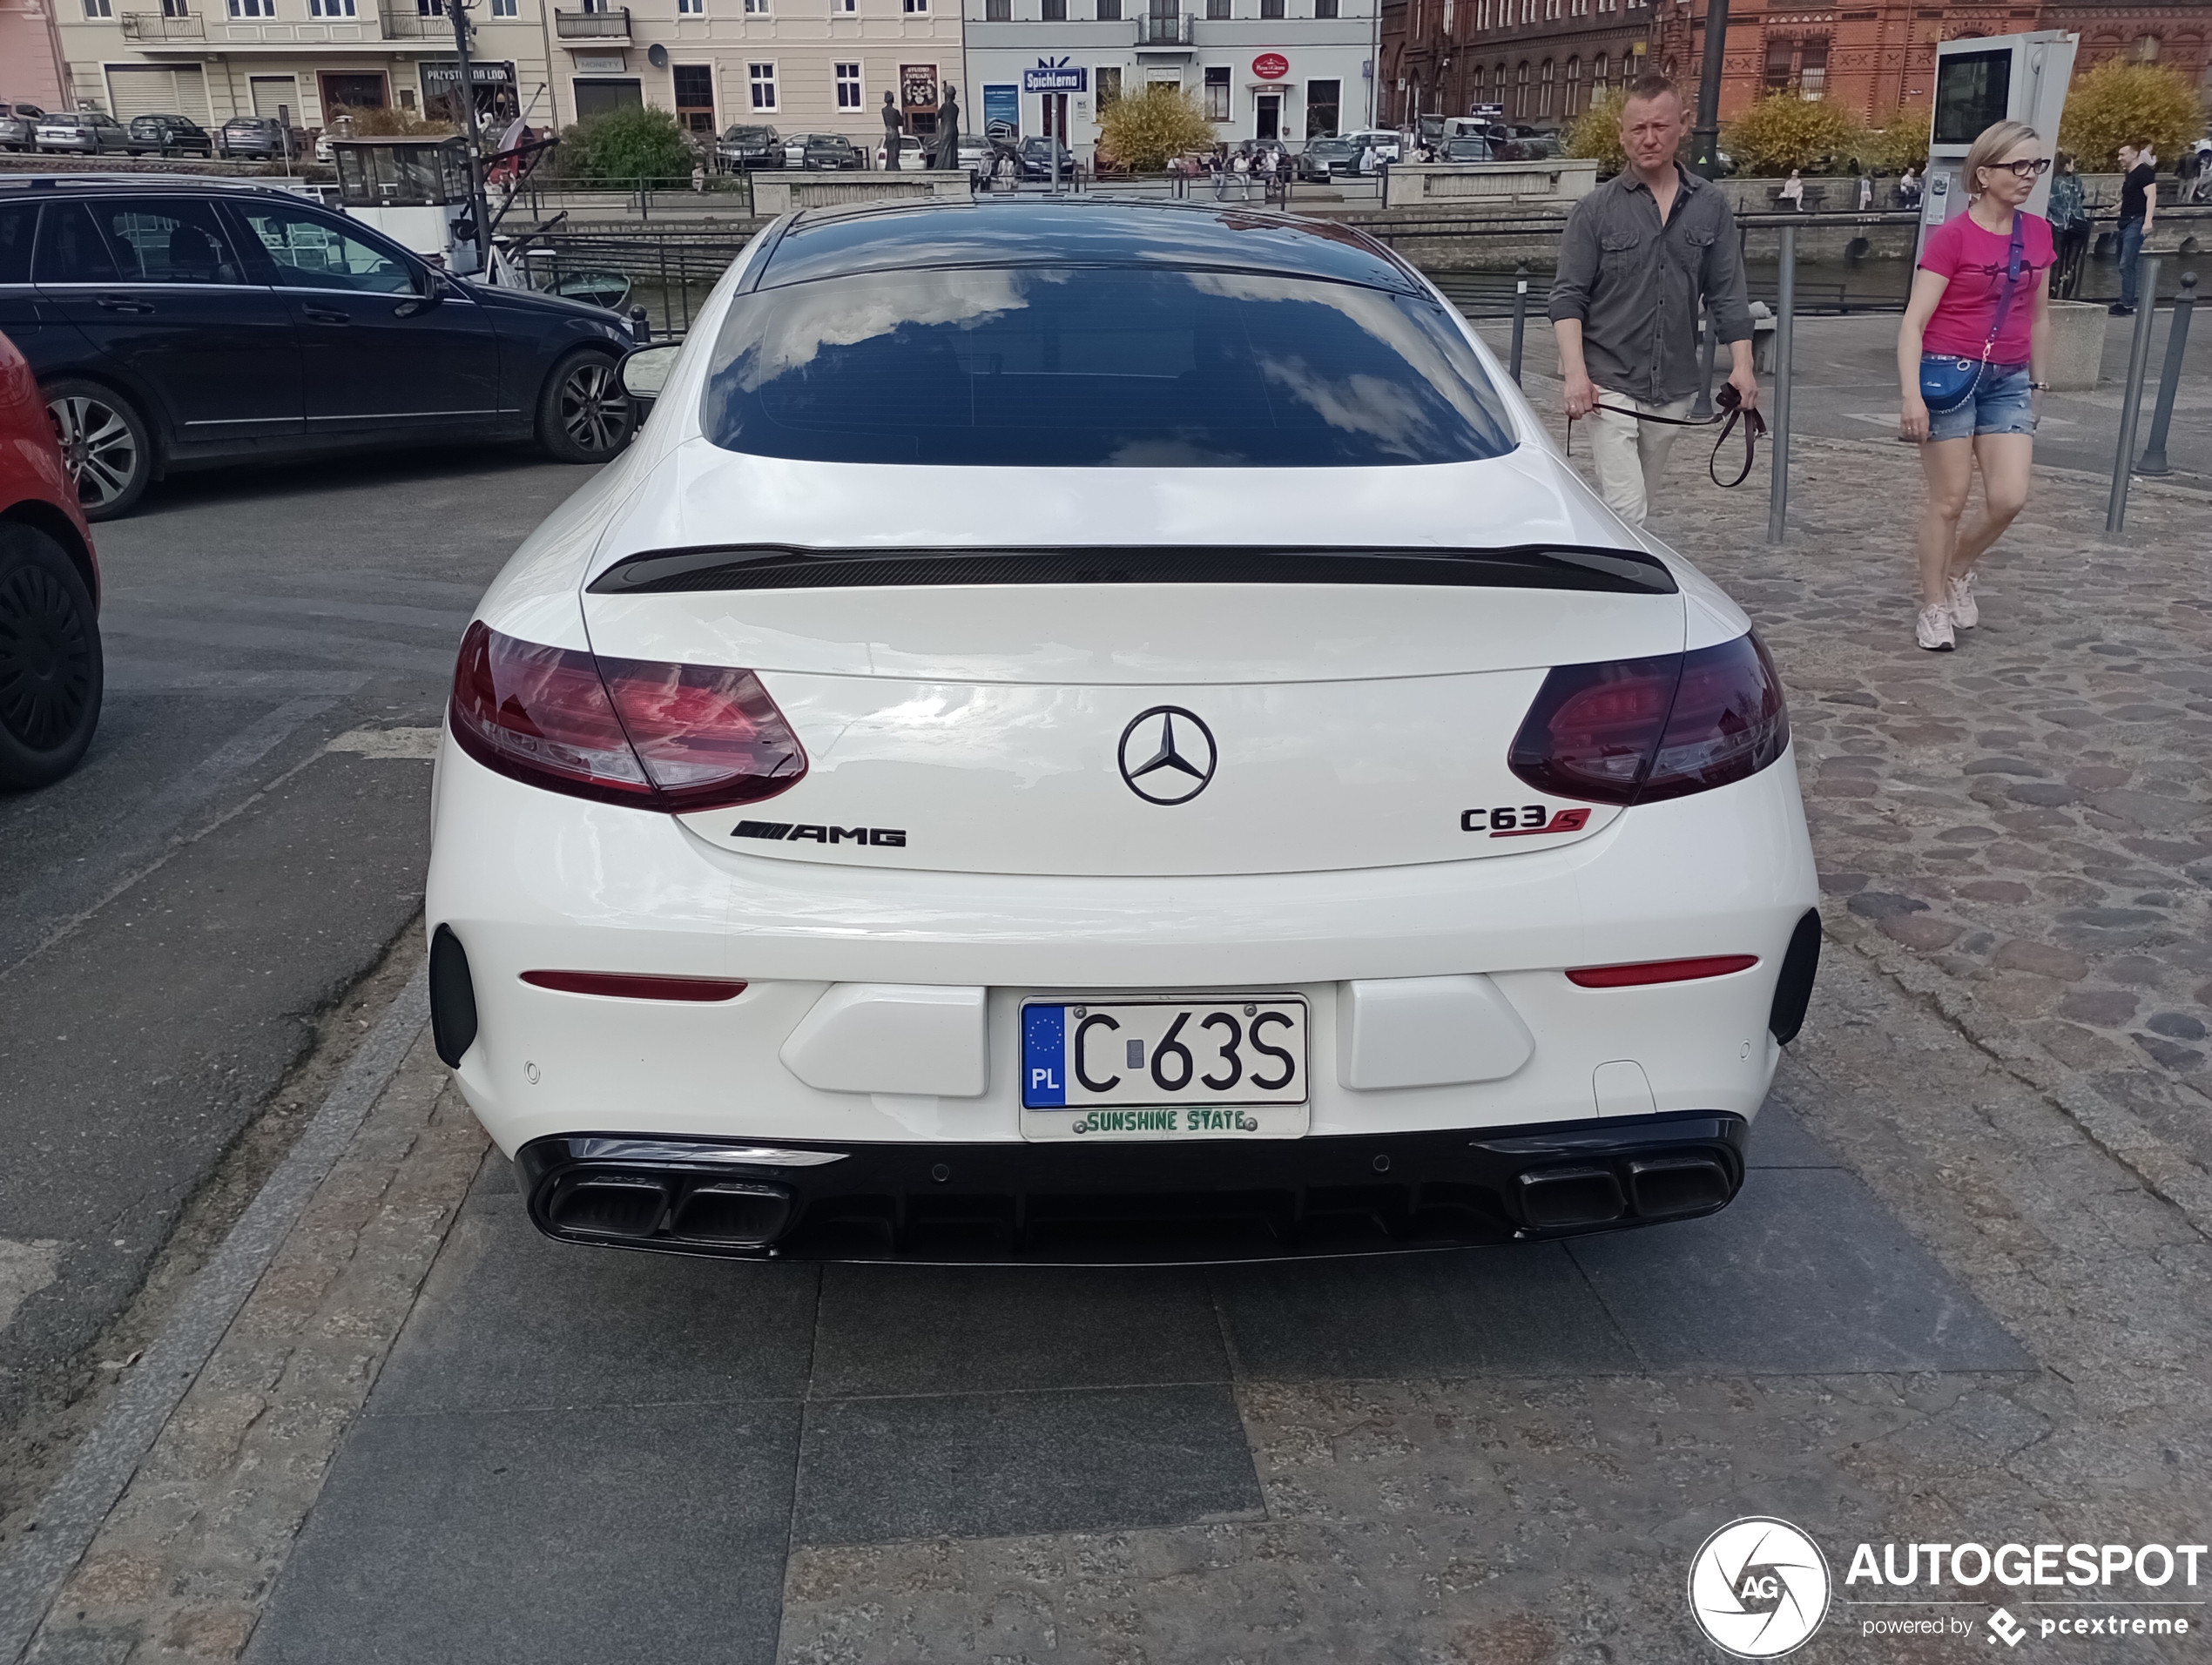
(140, 184)
(836, 242)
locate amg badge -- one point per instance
(1510, 822)
(882, 837)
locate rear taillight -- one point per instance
(1638, 731)
(663, 737)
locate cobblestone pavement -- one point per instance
(2021, 827)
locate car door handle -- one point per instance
(123, 304)
(321, 315)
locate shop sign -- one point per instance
(1271, 66)
(918, 85)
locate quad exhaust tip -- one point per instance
(1661, 1187)
(615, 1207)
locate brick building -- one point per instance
(1545, 59)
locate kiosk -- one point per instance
(1990, 78)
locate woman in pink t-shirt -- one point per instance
(1981, 298)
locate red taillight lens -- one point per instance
(1661, 971)
(662, 736)
(1638, 731)
(635, 986)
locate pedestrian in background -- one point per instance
(1980, 308)
(1908, 188)
(1865, 192)
(2138, 210)
(1635, 257)
(2202, 188)
(2069, 227)
(1793, 190)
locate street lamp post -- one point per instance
(1705, 138)
(477, 211)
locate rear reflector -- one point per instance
(672, 738)
(1661, 971)
(1638, 731)
(625, 986)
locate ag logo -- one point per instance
(1759, 1589)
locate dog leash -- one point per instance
(1730, 413)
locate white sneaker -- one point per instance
(1964, 613)
(1933, 630)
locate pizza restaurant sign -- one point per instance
(1271, 66)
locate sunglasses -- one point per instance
(2029, 170)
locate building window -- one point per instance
(1218, 93)
(848, 86)
(756, 8)
(1544, 91)
(1216, 10)
(762, 78)
(691, 8)
(1323, 101)
(1054, 11)
(1449, 8)
(1520, 88)
(98, 8)
(1110, 11)
(1109, 87)
(914, 7)
(998, 11)
(694, 86)
(1270, 8)
(500, 8)
(246, 8)
(1778, 55)
(1812, 69)
(1574, 84)
(1325, 8)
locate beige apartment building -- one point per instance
(799, 65)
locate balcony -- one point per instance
(596, 28)
(154, 26)
(1164, 31)
(418, 25)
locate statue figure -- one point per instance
(947, 144)
(894, 125)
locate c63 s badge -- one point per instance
(1519, 820)
(893, 837)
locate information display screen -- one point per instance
(1972, 91)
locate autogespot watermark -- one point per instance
(1759, 1589)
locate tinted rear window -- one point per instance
(1063, 366)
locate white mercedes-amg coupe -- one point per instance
(1093, 731)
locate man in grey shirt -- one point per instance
(1637, 254)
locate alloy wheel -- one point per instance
(46, 659)
(99, 445)
(595, 408)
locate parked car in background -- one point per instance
(179, 324)
(1327, 158)
(1467, 148)
(18, 125)
(49, 591)
(1037, 159)
(170, 135)
(1389, 144)
(750, 147)
(909, 152)
(84, 132)
(261, 137)
(830, 150)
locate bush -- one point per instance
(1899, 143)
(2118, 102)
(1785, 130)
(639, 143)
(381, 121)
(1596, 132)
(1142, 130)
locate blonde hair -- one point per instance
(1985, 152)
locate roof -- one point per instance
(144, 182)
(894, 236)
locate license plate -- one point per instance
(1167, 1068)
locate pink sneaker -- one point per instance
(1964, 613)
(1933, 630)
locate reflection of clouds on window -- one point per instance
(1358, 404)
(814, 316)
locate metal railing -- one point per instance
(416, 25)
(593, 25)
(1164, 31)
(157, 25)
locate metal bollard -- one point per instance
(1520, 315)
(2177, 340)
(641, 325)
(1785, 320)
(2131, 399)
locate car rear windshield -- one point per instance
(1087, 366)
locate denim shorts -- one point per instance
(2000, 403)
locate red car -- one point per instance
(49, 594)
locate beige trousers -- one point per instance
(1630, 456)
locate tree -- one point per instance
(1596, 132)
(1785, 130)
(641, 142)
(1143, 130)
(2118, 102)
(1899, 143)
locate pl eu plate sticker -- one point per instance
(1044, 1056)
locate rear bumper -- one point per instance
(1133, 1203)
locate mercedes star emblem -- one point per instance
(1167, 755)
